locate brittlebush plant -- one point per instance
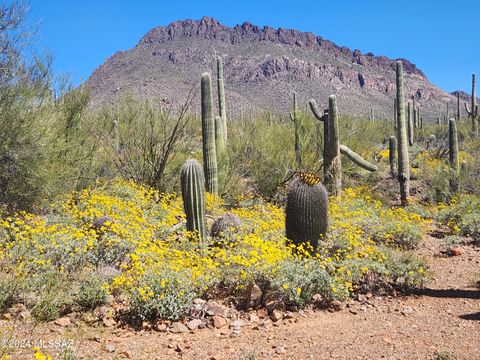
(160, 267)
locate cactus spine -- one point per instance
(453, 154)
(403, 161)
(193, 195)
(473, 110)
(208, 136)
(306, 217)
(392, 154)
(221, 97)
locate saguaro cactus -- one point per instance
(222, 106)
(453, 154)
(219, 137)
(193, 195)
(395, 114)
(307, 210)
(458, 106)
(298, 131)
(403, 161)
(472, 111)
(410, 129)
(208, 136)
(392, 154)
(332, 165)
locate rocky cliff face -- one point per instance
(262, 67)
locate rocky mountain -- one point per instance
(262, 68)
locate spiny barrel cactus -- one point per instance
(221, 96)
(403, 161)
(208, 135)
(453, 154)
(472, 111)
(306, 211)
(225, 225)
(392, 154)
(193, 194)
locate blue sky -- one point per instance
(441, 37)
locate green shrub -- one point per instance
(92, 293)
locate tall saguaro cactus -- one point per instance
(298, 131)
(193, 196)
(410, 129)
(222, 106)
(395, 114)
(453, 154)
(403, 161)
(332, 165)
(392, 154)
(472, 111)
(219, 137)
(208, 135)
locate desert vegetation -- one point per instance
(145, 209)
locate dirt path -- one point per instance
(444, 317)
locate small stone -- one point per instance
(275, 304)
(6, 316)
(194, 324)
(317, 298)
(262, 313)
(25, 315)
(361, 298)
(199, 301)
(288, 315)
(161, 326)
(178, 327)
(254, 295)
(253, 318)
(146, 325)
(353, 311)
(280, 350)
(63, 321)
(407, 310)
(219, 322)
(455, 251)
(215, 309)
(127, 354)
(276, 315)
(337, 305)
(108, 322)
(110, 348)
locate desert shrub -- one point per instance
(92, 293)
(462, 215)
(162, 294)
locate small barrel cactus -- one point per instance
(225, 225)
(193, 195)
(306, 211)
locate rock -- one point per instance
(6, 316)
(275, 304)
(276, 315)
(63, 321)
(25, 315)
(288, 315)
(127, 354)
(407, 310)
(254, 295)
(361, 297)
(146, 325)
(199, 301)
(455, 251)
(108, 322)
(178, 327)
(16, 309)
(194, 324)
(253, 318)
(262, 313)
(280, 350)
(110, 348)
(214, 308)
(161, 326)
(353, 311)
(337, 305)
(317, 298)
(219, 321)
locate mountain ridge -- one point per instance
(263, 66)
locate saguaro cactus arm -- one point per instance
(221, 96)
(403, 171)
(208, 135)
(357, 159)
(316, 112)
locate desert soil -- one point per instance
(442, 318)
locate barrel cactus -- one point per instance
(193, 195)
(225, 225)
(306, 211)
